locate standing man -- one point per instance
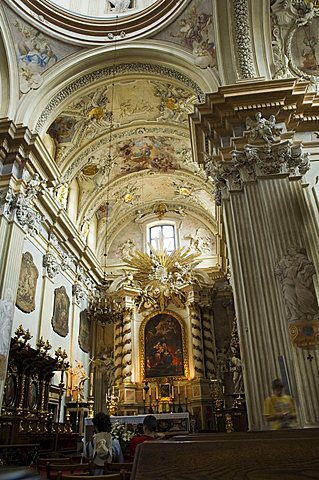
(279, 409)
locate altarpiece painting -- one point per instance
(164, 349)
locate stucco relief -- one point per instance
(295, 40)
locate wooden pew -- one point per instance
(54, 470)
(124, 469)
(283, 455)
(112, 476)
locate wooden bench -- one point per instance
(124, 469)
(55, 470)
(114, 476)
(282, 455)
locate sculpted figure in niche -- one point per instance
(237, 369)
(295, 272)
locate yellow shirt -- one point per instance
(279, 405)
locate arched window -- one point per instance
(163, 236)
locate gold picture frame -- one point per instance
(161, 332)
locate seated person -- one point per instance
(149, 433)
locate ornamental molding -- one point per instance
(243, 39)
(51, 264)
(111, 71)
(26, 216)
(255, 161)
(67, 261)
(78, 293)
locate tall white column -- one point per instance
(265, 213)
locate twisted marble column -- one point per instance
(127, 346)
(118, 352)
(197, 343)
(209, 343)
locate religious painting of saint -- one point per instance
(84, 332)
(27, 284)
(163, 347)
(33, 396)
(61, 307)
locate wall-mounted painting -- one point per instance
(27, 284)
(163, 345)
(61, 307)
(84, 332)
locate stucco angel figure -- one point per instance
(78, 376)
(119, 5)
(261, 128)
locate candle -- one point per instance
(156, 392)
(178, 389)
(106, 398)
(172, 391)
(143, 394)
(113, 390)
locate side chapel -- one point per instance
(159, 165)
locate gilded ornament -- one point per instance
(96, 113)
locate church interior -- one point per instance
(159, 195)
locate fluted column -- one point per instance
(266, 215)
(197, 341)
(127, 346)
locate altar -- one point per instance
(168, 423)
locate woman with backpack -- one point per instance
(101, 442)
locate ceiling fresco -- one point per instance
(127, 140)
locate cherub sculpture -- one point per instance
(261, 128)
